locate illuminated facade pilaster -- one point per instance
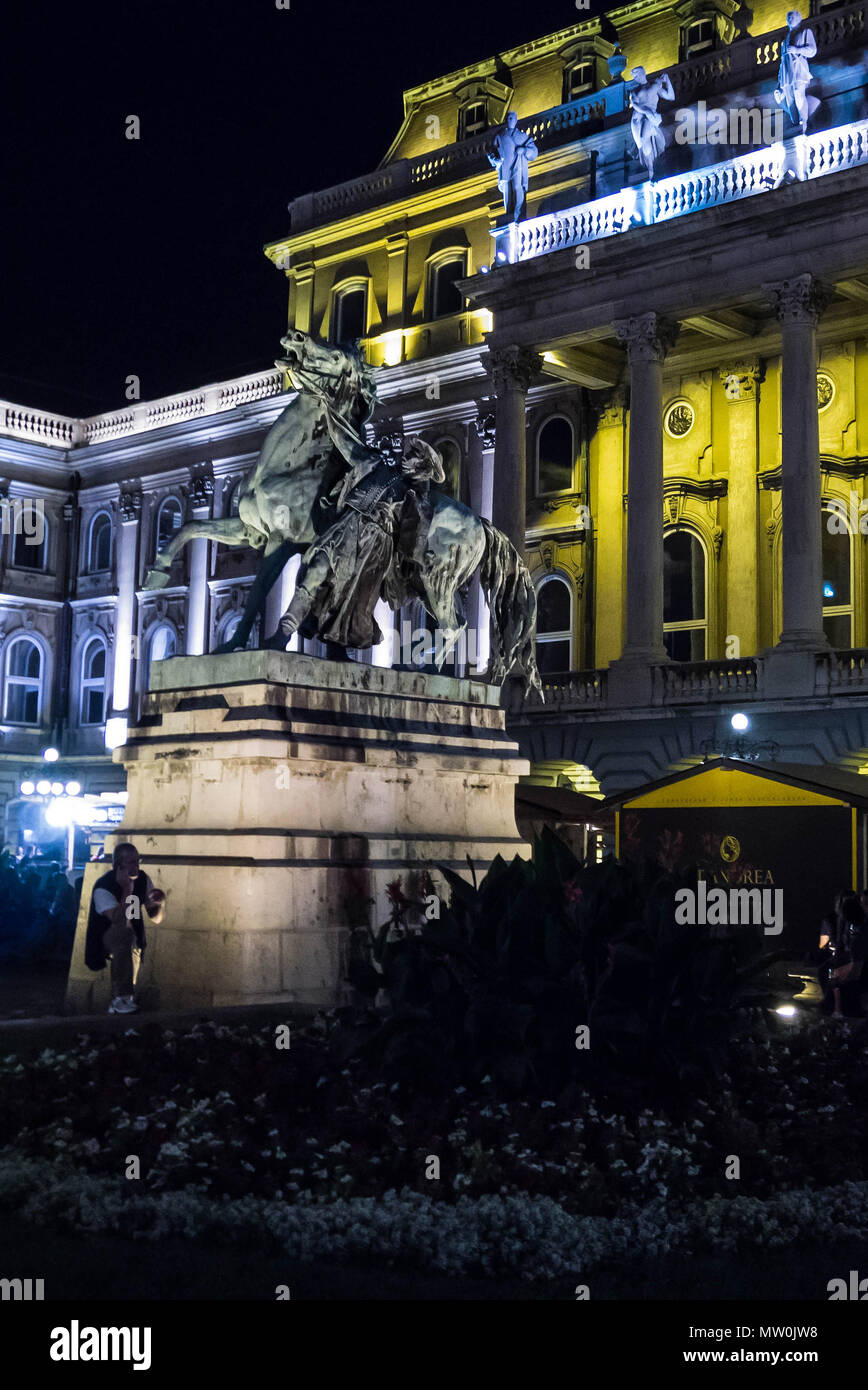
(647, 338)
(798, 304)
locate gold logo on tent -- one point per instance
(730, 849)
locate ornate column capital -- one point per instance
(130, 503)
(647, 337)
(512, 368)
(200, 488)
(799, 300)
(741, 379)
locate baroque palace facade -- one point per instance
(658, 390)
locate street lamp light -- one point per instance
(51, 755)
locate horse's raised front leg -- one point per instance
(229, 530)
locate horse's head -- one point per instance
(338, 375)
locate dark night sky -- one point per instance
(146, 257)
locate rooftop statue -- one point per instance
(367, 528)
(513, 151)
(646, 121)
(794, 74)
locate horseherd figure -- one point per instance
(367, 527)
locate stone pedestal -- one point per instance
(272, 794)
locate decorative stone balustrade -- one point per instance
(839, 672)
(37, 426)
(746, 175)
(41, 427)
(688, 681)
(573, 690)
(843, 671)
(450, 163)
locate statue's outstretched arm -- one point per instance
(666, 89)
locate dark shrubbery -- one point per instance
(501, 985)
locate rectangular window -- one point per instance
(580, 81)
(698, 37)
(474, 119)
(351, 315)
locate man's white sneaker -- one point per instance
(123, 1006)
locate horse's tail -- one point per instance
(508, 587)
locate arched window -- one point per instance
(555, 456)
(473, 119)
(226, 630)
(579, 79)
(31, 539)
(837, 579)
(24, 676)
(685, 614)
(99, 555)
(93, 661)
(444, 296)
(163, 644)
(554, 625)
(349, 313)
(451, 456)
(169, 521)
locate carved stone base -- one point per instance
(272, 794)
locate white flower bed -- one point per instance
(520, 1236)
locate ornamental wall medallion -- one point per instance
(678, 419)
(825, 391)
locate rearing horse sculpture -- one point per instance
(279, 508)
(285, 504)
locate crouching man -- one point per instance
(116, 927)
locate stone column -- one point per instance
(511, 370)
(647, 338)
(798, 304)
(741, 381)
(607, 520)
(482, 502)
(129, 511)
(197, 590)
